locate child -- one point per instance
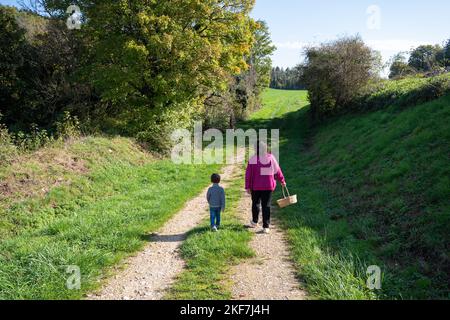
(216, 200)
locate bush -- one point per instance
(153, 128)
(67, 127)
(33, 140)
(334, 72)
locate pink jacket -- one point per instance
(261, 173)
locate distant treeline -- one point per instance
(423, 59)
(286, 79)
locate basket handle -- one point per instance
(284, 194)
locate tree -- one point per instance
(243, 96)
(157, 61)
(425, 58)
(334, 73)
(399, 67)
(153, 63)
(260, 57)
(39, 60)
(446, 51)
(12, 61)
(159, 53)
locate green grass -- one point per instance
(93, 222)
(277, 103)
(406, 92)
(390, 170)
(373, 191)
(209, 255)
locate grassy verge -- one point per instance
(390, 172)
(371, 189)
(209, 255)
(34, 176)
(93, 222)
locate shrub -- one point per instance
(33, 140)
(334, 72)
(67, 127)
(153, 128)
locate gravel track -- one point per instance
(149, 274)
(270, 275)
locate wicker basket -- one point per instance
(287, 200)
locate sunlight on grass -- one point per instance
(92, 223)
(371, 191)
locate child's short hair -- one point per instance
(215, 178)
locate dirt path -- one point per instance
(148, 275)
(152, 271)
(271, 274)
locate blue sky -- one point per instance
(9, 2)
(402, 24)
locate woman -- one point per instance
(262, 171)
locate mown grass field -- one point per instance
(92, 220)
(373, 190)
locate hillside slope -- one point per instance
(374, 191)
(87, 203)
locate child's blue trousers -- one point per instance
(215, 216)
